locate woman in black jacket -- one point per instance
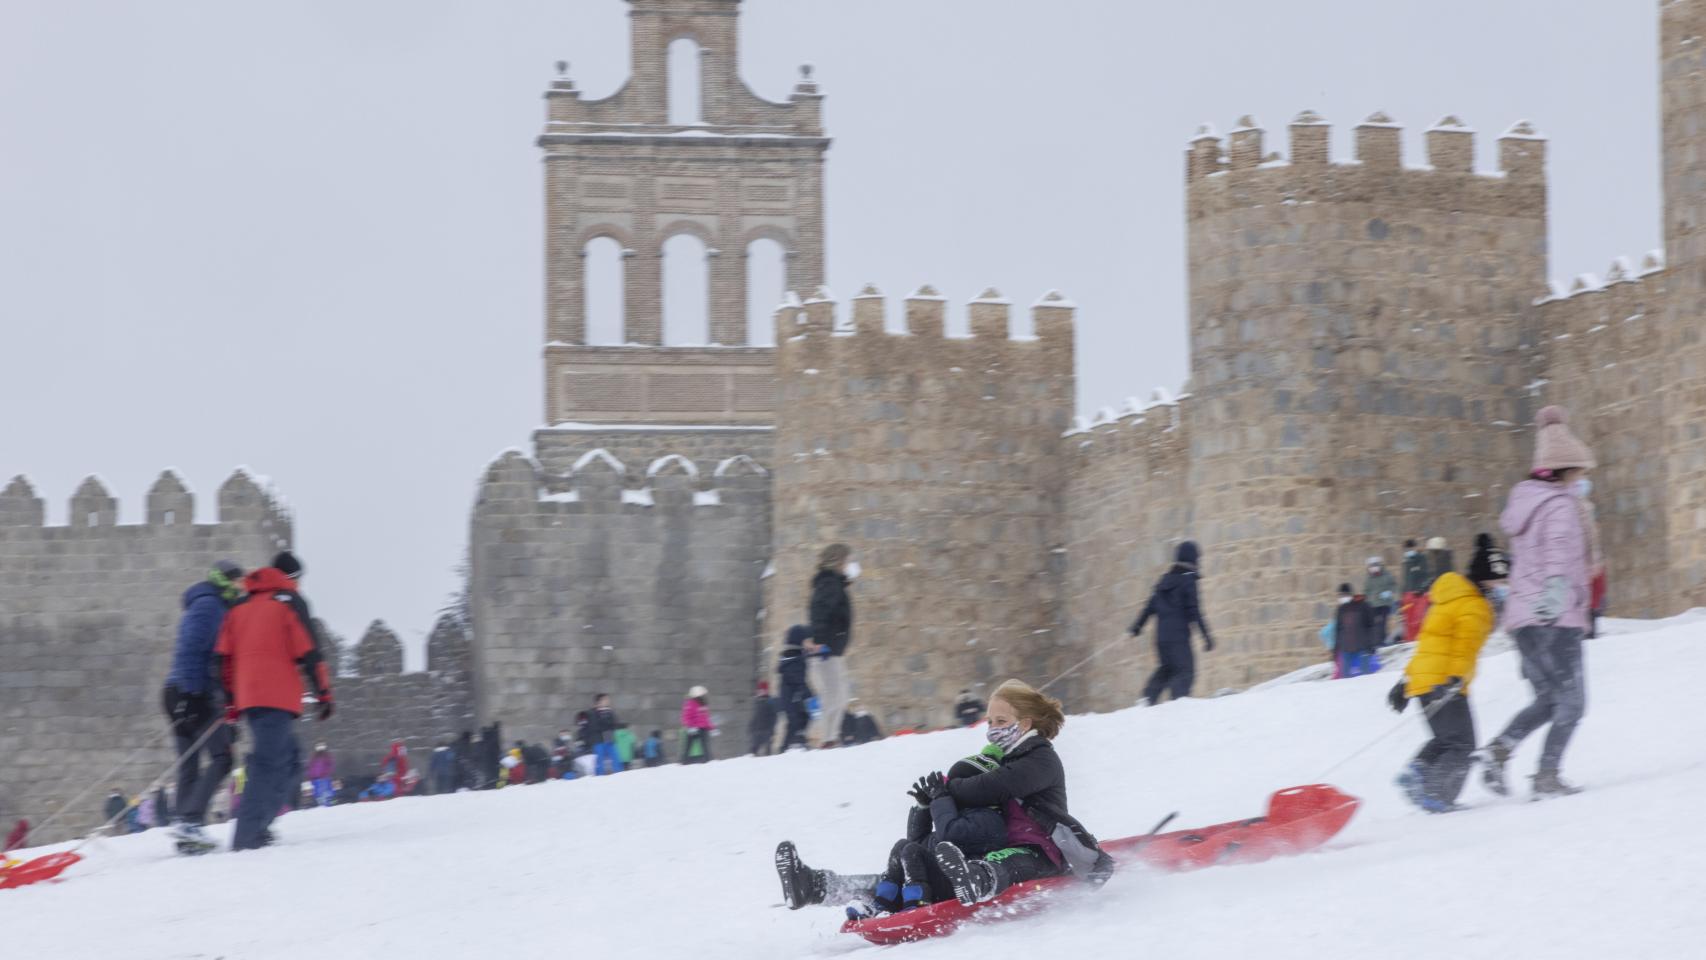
(1043, 838)
(1175, 607)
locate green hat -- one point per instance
(978, 763)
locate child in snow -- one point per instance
(1489, 567)
(791, 669)
(696, 726)
(1354, 635)
(1439, 674)
(1381, 589)
(623, 738)
(1415, 584)
(320, 768)
(912, 878)
(652, 749)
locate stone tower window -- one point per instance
(686, 292)
(766, 285)
(686, 91)
(605, 279)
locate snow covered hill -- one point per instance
(675, 862)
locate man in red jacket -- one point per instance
(267, 648)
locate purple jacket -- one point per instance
(320, 766)
(1547, 540)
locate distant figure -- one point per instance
(1489, 568)
(791, 670)
(859, 727)
(1381, 589)
(443, 768)
(652, 749)
(322, 766)
(465, 760)
(1414, 602)
(1175, 606)
(623, 738)
(601, 734)
(696, 726)
(115, 806)
(195, 703)
(263, 643)
(968, 709)
(762, 731)
(491, 751)
(1354, 635)
(832, 634)
(395, 767)
(538, 762)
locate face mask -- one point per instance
(1582, 487)
(852, 570)
(1501, 592)
(1005, 737)
(1344, 600)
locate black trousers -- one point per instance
(1019, 864)
(910, 862)
(1178, 670)
(197, 784)
(798, 718)
(1445, 759)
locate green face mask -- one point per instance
(230, 591)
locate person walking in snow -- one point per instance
(601, 727)
(761, 732)
(321, 768)
(1439, 675)
(1489, 567)
(791, 670)
(832, 633)
(1410, 605)
(1381, 589)
(1354, 635)
(265, 641)
(194, 706)
(1551, 580)
(696, 726)
(1176, 607)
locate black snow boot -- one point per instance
(801, 885)
(1498, 754)
(974, 880)
(1547, 783)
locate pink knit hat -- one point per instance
(1555, 447)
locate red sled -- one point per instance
(35, 871)
(1298, 819)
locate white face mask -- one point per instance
(1344, 600)
(1583, 487)
(852, 569)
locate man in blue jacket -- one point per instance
(193, 703)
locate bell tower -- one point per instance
(617, 168)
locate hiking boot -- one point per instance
(861, 910)
(190, 839)
(1410, 781)
(1498, 753)
(801, 885)
(1547, 783)
(974, 880)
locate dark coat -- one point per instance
(832, 612)
(859, 728)
(975, 830)
(1353, 628)
(968, 711)
(601, 724)
(764, 713)
(1030, 773)
(1415, 572)
(1489, 562)
(791, 665)
(1174, 603)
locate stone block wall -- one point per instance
(1357, 362)
(638, 579)
(88, 620)
(938, 459)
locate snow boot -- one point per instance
(861, 910)
(915, 895)
(1410, 781)
(801, 885)
(887, 896)
(1498, 754)
(191, 840)
(1547, 784)
(974, 880)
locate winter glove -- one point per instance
(936, 785)
(1207, 643)
(231, 713)
(1553, 597)
(177, 707)
(920, 792)
(1398, 699)
(324, 712)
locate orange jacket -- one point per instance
(267, 645)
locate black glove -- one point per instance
(1207, 643)
(1398, 699)
(936, 785)
(186, 711)
(325, 709)
(920, 792)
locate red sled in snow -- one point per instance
(14, 873)
(1298, 819)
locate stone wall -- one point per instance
(938, 459)
(1127, 508)
(634, 579)
(1357, 363)
(88, 619)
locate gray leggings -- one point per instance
(1552, 662)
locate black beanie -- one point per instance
(1345, 590)
(286, 563)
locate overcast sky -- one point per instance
(305, 236)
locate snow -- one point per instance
(675, 862)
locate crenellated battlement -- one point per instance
(598, 481)
(1239, 171)
(1146, 433)
(1598, 323)
(168, 504)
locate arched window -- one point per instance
(686, 97)
(686, 292)
(605, 303)
(766, 283)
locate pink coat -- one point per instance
(1547, 540)
(320, 767)
(694, 716)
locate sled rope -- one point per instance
(170, 771)
(1426, 713)
(1069, 671)
(151, 743)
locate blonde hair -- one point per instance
(833, 556)
(1030, 704)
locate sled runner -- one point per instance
(1298, 819)
(19, 874)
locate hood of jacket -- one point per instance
(1187, 553)
(1525, 501)
(267, 580)
(1451, 586)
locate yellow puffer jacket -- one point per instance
(1458, 622)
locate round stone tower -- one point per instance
(1356, 363)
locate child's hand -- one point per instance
(920, 792)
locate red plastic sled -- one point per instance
(37, 870)
(1298, 819)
